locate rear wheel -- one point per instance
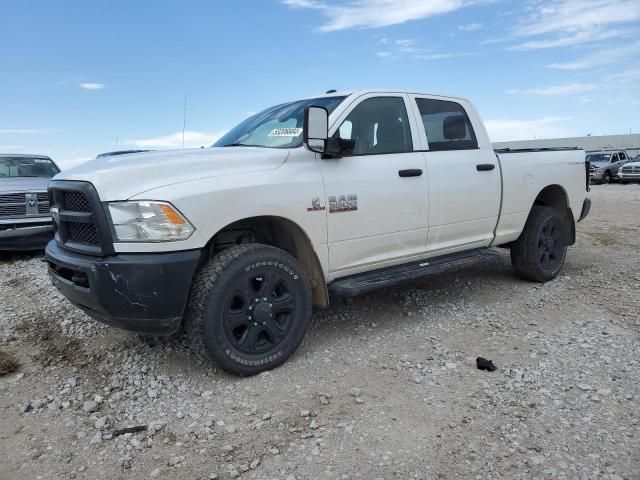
(249, 308)
(540, 251)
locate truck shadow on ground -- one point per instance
(388, 309)
(9, 256)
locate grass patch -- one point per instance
(8, 363)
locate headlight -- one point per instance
(148, 222)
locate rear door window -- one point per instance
(447, 125)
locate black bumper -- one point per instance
(26, 242)
(586, 208)
(145, 293)
(23, 237)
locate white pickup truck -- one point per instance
(333, 195)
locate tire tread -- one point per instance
(523, 261)
(204, 285)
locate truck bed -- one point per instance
(525, 172)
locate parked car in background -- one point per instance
(605, 164)
(240, 240)
(120, 152)
(25, 219)
(630, 171)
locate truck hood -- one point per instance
(24, 184)
(631, 164)
(123, 176)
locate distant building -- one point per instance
(630, 143)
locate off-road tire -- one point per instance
(531, 257)
(219, 291)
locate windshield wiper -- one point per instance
(240, 145)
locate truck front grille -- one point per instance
(84, 233)
(80, 221)
(24, 204)
(631, 169)
(76, 201)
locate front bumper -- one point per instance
(629, 177)
(145, 293)
(25, 236)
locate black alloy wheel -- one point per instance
(540, 251)
(551, 246)
(259, 311)
(249, 308)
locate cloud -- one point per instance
(376, 13)
(558, 90)
(470, 27)
(439, 56)
(509, 130)
(406, 42)
(174, 140)
(92, 86)
(12, 148)
(408, 47)
(599, 58)
(21, 131)
(561, 23)
(577, 38)
(625, 76)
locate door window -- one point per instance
(622, 156)
(614, 159)
(447, 125)
(378, 125)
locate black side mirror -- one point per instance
(339, 147)
(316, 129)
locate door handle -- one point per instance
(485, 167)
(410, 172)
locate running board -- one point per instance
(392, 276)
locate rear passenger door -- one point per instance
(463, 175)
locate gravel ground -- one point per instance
(385, 387)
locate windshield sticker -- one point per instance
(285, 132)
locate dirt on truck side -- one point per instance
(384, 387)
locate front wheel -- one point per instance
(606, 179)
(249, 308)
(541, 249)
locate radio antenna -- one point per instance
(184, 116)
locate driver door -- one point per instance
(376, 198)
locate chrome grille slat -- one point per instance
(15, 204)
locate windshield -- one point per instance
(599, 157)
(27, 167)
(276, 127)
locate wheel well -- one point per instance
(277, 232)
(556, 197)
